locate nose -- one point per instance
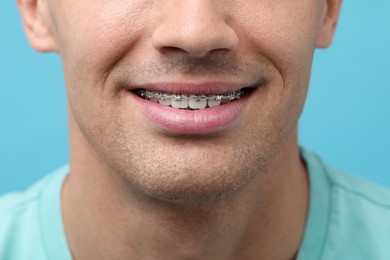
(195, 27)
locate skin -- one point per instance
(136, 192)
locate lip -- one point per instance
(190, 122)
(190, 88)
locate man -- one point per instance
(183, 138)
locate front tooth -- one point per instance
(214, 101)
(179, 101)
(197, 102)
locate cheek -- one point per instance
(283, 31)
(94, 35)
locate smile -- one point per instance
(190, 109)
(189, 102)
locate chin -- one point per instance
(189, 196)
(192, 190)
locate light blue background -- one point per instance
(346, 118)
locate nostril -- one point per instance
(172, 49)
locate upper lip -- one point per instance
(211, 88)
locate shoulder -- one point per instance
(359, 200)
(19, 224)
(20, 230)
(15, 202)
(359, 218)
(360, 189)
(348, 186)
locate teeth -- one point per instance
(193, 102)
(165, 102)
(215, 101)
(163, 99)
(179, 101)
(197, 102)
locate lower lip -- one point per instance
(204, 121)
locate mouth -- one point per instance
(188, 109)
(190, 101)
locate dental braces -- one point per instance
(148, 94)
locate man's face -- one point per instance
(113, 48)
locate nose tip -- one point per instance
(195, 30)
